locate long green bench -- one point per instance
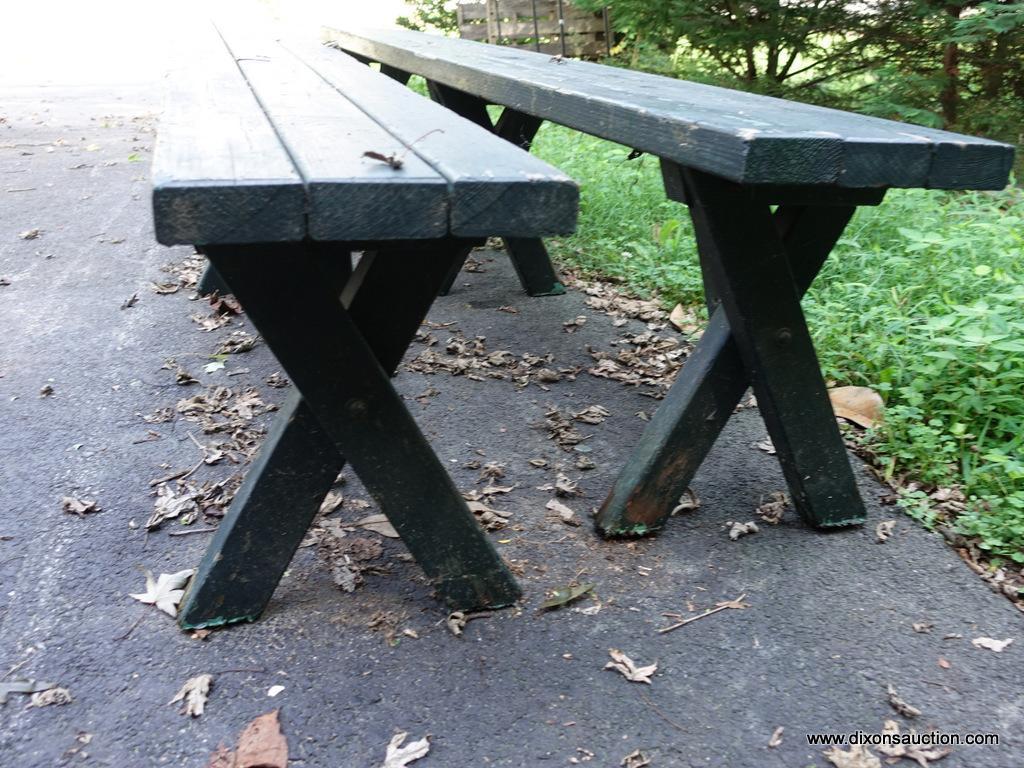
(278, 162)
(770, 186)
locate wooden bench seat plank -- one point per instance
(496, 189)
(220, 173)
(743, 137)
(350, 196)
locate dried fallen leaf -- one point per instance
(771, 511)
(575, 324)
(194, 694)
(776, 737)
(377, 524)
(46, 390)
(859, 756)
(922, 627)
(399, 756)
(688, 502)
(861, 405)
(592, 414)
(166, 592)
(261, 744)
(170, 505)
(19, 685)
(911, 751)
(492, 470)
(237, 343)
(944, 663)
(624, 665)
(331, 502)
(900, 705)
(456, 622)
(51, 697)
(30, 234)
(222, 758)
(563, 486)
(766, 445)
(565, 595)
(565, 514)
(989, 644)
(883, 531)
(277, 381)
(80, 507)
(685, 320)
(491, 519)
(635, 759)
(211, 322)
(584, 463)
(741, 529)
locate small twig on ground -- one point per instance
(179, 475)
(947, 686)
(190, 531)
(130, 629)
(661, 714)
(545, 543)
(261, 670)
(737, 603)
(14, 669)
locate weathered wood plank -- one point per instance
(351, 197)
(522, 9)
(496, 189)
(743, 137)
(220, 173)
(544, 28)
(529, 256)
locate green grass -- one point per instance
(922, 300)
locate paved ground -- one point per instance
(829, 622)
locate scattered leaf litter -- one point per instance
(736, 530)
(990, 644)
(625, 666)
(193, 695)
(399, 754)
(166, 591)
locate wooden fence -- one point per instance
(548, 26)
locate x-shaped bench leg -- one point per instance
(529, 256)
(758, 265)
(339, 361)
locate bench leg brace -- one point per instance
(211, 282)
(760, 265)
(340, 361)
(530, 258)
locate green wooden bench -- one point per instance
(278, 162)
(770, 186)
